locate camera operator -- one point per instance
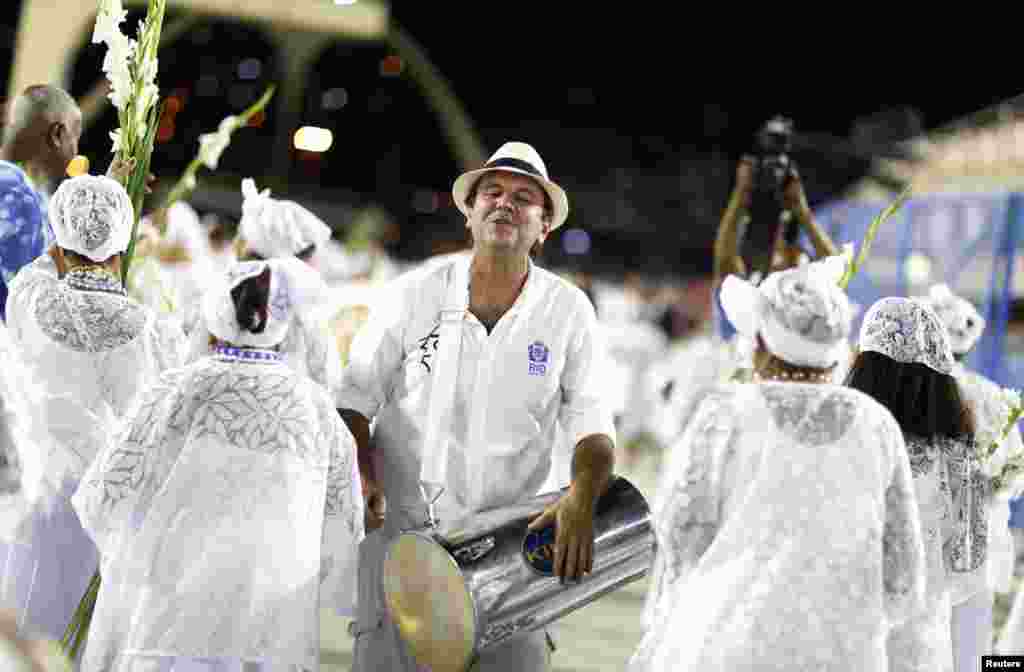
(768, 200)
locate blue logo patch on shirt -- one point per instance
(538, 355)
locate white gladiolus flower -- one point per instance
(115, 137)
(212, 145)
(115, 65)
(108, 20)
(1011, 397)
(144, 103)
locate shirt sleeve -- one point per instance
(377, 353)
(585, 409)
(22, 225)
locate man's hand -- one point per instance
(120, 170)
(573, 517)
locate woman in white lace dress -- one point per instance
(229, 509)
(92, 350)
(787, 527)
(906, 364)
(973, 592)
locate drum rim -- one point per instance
(469, 594)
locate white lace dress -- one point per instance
(92, 350)
(227, 511)
(907, 649)
(990, 413)
(788, 535)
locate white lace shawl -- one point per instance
(227, 512)
(786, 513)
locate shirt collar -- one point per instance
(527, 297)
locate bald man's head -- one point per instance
(42, 131)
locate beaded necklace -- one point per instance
(247, 354)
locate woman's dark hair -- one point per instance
(251, 297)
(304, 254)
(924, 402)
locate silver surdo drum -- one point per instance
(456, 590)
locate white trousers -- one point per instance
(971, 631)
(379, 648)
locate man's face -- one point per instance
(507, 216)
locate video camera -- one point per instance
(773, 169)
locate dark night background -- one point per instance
(614, 105)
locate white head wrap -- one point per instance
(292, 284)
(184, 228)
(964, 324)
(908, 331)
(802, 314)
(273, 228)
(92, 216)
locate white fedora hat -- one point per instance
(515, 157)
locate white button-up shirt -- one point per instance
(525, 394)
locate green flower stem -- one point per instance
(182, 188)
(137, 186)
(78, 629)
(869, 237)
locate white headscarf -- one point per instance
(184, 228)
(802, 314)
(273, 228)
(292, 284)
(908, 331)
(964, 324)
(92, 216)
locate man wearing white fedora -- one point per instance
(481, 372)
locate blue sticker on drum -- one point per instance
(539, 550)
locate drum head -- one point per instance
(428, 600)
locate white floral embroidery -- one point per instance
(92, 215)
(270, 448)
(907, 331)
(808, 302)
(88, 321)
